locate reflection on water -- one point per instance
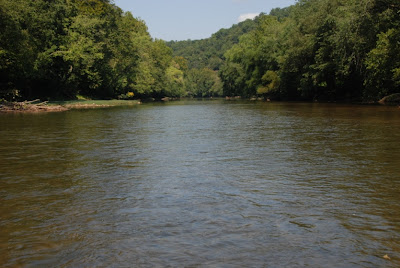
(201, 184)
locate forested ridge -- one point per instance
(209, 52)
(328, 50)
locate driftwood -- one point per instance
(32, 101)
(42, 103)
(29, 106)
(393, 99)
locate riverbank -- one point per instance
(30, 106)
(89, 104)
(60, 106)
(393, 99)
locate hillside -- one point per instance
(314, 50)
(209, 52)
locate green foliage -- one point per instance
(202, 83)
(12, 53)
(319, 49)
(62, 48)
(247, 62)
(206, 57)
(331, 50)
(209, 53)
(233, 77)
(175, 80)
(383, 66)
(271, 83)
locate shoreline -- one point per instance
(61, 106)
(30, 107)
(36, 106)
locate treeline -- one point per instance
(64, 48)
(330, 50)
(327, 50)
(209, 53)
(205, 58)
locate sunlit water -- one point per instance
(201, 184)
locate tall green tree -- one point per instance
(203, 83)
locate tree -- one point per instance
(13, 52)
(175, 86)
(271, 83)
(202, 83)
(383, 66)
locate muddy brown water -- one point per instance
(209, 183)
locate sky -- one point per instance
(195, 19)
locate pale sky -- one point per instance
(195, 19)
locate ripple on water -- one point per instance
(202, 184)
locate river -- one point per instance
(200, 184)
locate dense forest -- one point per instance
(60, 49)
(209, 52)
(328, 50)
(323, 50)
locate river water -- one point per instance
(201, 183)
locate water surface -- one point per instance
(201, 184)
